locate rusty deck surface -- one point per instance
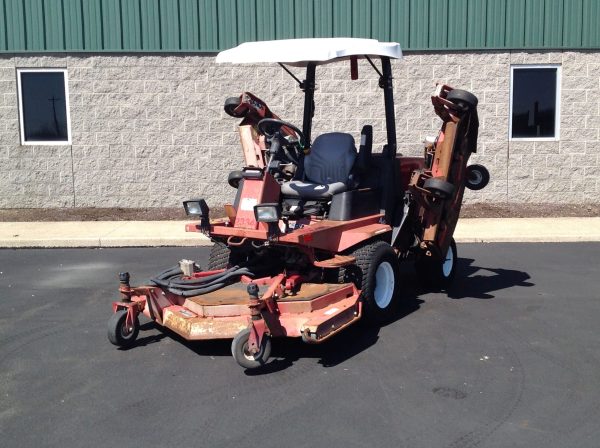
(237, 294)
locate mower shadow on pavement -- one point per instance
(146, 340)
(287, 351)
(478, 282)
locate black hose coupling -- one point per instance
(253, 290)
(124, 287)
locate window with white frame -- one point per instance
(535, 102)
(44, 106)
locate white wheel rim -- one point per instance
(384, 285)
(448, 263)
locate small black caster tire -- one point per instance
(234, 178)
(231, 104)
(239, 350)
(477, 177)
(437, 274)
(466, 100)
(439, 188)
(118, 333)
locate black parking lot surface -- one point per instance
(509, 357)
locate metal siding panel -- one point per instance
(132, 25)
(496, 24)
(553, 23)
(169, 24)
(265, 19)
(304, 18)
(438, 23)
(227, 23)
(361, 18)
(73, 22)
(534, 25)
(246, 20)
(92, 26)
(476, 23)
(380, 20)
(2, 27)
(419, 24)
(111, 25)
(323, 18)
(15, 25)
(590, 30)
(34, 24)
(572, 23)
(209, 30)
(515, 24)
(284, 19)
(400, 22)
(342, 18)
(150, 19)
(457, 26)
(53, 19)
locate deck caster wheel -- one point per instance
(477, 177)
(437, 273)
(439, 188)
(241, 354)
(118, 332)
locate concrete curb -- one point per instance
(172, 233)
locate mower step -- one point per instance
(337, 261)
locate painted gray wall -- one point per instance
(150, 131)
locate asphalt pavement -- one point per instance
(508, 357)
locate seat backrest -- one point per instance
(331, 158)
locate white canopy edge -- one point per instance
(299, 52)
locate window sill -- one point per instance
(534, 139)
(50, 143)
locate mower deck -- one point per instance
(315, 312)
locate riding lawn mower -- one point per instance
(313, 238)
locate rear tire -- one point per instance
(377, 274)
(438, 274)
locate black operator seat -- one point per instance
(326, 169)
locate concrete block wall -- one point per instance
(150, 131)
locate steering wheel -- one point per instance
(271, 126)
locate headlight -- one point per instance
(196, 207)
(267, 212)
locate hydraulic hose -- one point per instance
(171, 280)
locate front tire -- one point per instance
(118, 332)
(377, 274)
(438, 273)
(239, 350)
(222, 257)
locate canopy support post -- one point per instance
(308, 86)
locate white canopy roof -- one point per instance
(299, 52)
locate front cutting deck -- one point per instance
(316, 311)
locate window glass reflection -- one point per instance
(44, 106)
(534, 102)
